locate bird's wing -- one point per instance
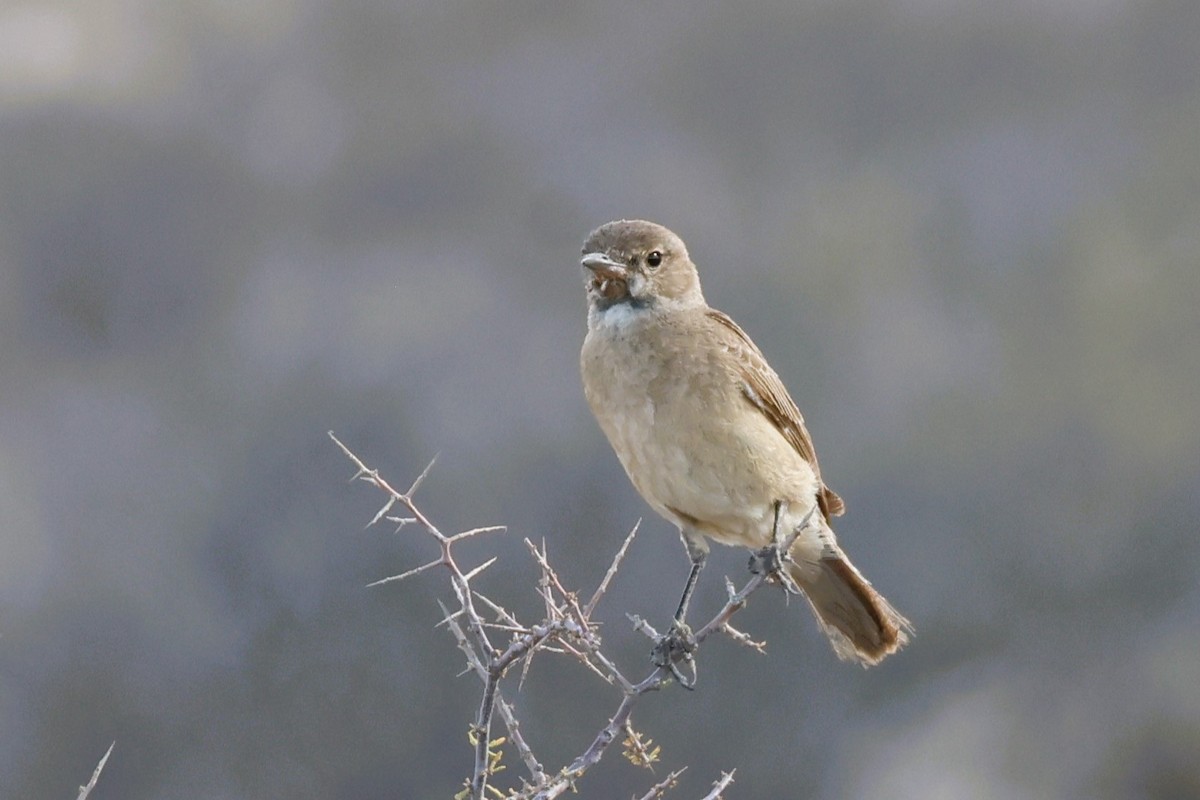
(763, 389)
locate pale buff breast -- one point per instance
(698, 448)
(615, 382)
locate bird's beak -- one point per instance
(604, 268)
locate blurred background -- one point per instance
(965, 233)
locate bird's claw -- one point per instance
(676, 648)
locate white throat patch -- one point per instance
(617, 317)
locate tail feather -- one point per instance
(862, 626)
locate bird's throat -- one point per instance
(619, 314)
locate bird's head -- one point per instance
(638, 263)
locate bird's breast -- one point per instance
(685, 434)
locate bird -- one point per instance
(708, 434)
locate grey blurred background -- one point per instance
(965, 233)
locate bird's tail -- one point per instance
(862, 626)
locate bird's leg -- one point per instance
(699, 557)
(768, 560)
(678, 644)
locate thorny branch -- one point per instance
(566, 628)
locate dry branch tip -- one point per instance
(86, 789)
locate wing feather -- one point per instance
(764, 390)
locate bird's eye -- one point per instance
(653, 259)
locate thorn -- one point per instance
(408, 574)
(345, 449)
(526, 663)
(421, 477)
(480, 568)
(499, 610)
(386, 508)
(477, 531)
(612, 571)
(449, 616)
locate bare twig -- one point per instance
(551, 579)
(659, 789)
(506, 713)
(743, 638)
(612, 571)
(720, 785)
(86, 789)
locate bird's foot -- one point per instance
(674, 649)
(772, 562)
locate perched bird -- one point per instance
(707, 432)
